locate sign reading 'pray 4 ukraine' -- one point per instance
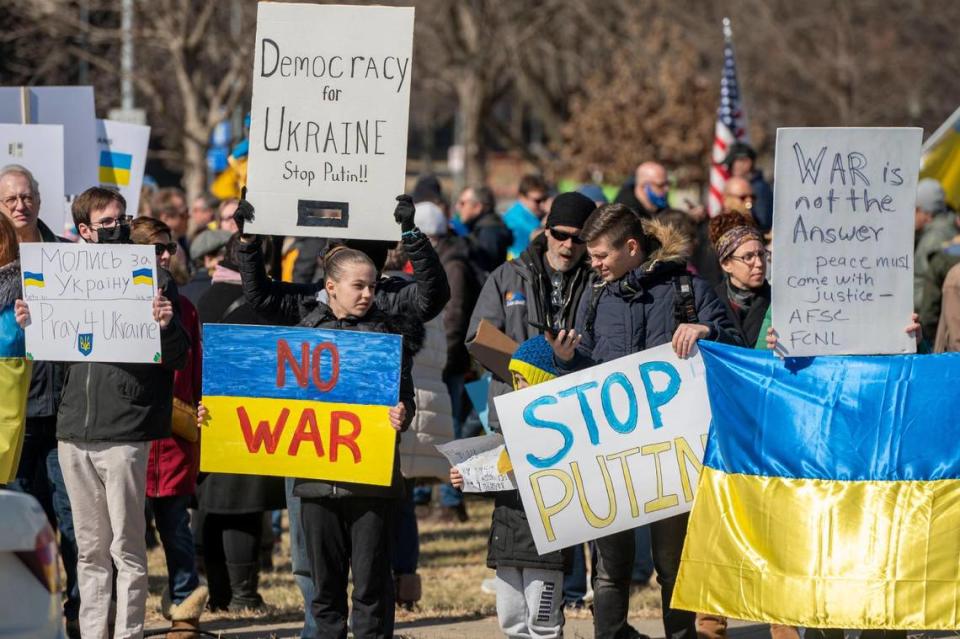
(300, 402)
(90, 302)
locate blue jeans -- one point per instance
(39, 475)
(575, 584)
(173, 525)
(300, 564)
(406, 539)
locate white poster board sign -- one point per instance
(39, 148)
(122, 158)
(72, 107)
(843, 228)
(328, 124)
(480, 461)
(90, 302)
(609, 448)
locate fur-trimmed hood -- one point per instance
(671, 245)
(10, 289)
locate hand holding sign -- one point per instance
(404, 212)
(162, 310)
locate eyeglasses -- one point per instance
(169, 247)
(753, 256)
(563, 236)
(11, 201)
(744, 198)
(110, 222)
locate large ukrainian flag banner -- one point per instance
(830, 492)
(941, 158)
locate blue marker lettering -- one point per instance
(630, 423)
(588, 419)
(656, 398)
(536, 422)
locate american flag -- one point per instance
(731, 123)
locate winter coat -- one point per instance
(948, 328)
(511, 542)
(286, 303)
(637, 311)
(748, 326)
(627, 196)
(516, 296)
(46, 383)
(932, 293)
(227, 493)
(935, 235)
(489, 240)
(173, 461)
(522, 223)
(14, 375)
(375, 321)
(112, 402)
(433, 423)
(762, 210)
(455, 256)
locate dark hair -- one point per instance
(681, 222)
(337, 259)
(530, 183)
(144, 230)
(95, 199)
(163, 201)
(726, 221)
(615, 222)
(484, 195)
(9, 245)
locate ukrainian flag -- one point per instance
(143, 276)
(33, 279)
(830, 492)
(115, 168)
(940, 158)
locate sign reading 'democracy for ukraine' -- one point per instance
(300, 402)
(608, 448)
(90, 302)
(328, 124)
(122, 158)
(843, 226)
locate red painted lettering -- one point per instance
(324, 385)
(349, 440)
(262, 436)
(306, 431)
(285, 356)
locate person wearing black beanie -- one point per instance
(570, 209)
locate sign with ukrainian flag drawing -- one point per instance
(121, 159)
(300, 402)
(90, 302)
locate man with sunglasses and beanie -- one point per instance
(109, 414)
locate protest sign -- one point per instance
(843, 226)
(481, 463)
(122, 158)
(300, 402)
(39, 148)
(90, 302)
(71, 107)
(328, 125)
(608, 448)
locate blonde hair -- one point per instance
(337, 258)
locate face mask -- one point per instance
(659, 201)
(119, 234)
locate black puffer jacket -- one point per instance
(511, 542)
(375, 321)
(125, 402)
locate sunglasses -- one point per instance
(563, 236)
(169, 247)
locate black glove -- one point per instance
(404, 213)
(244, 212)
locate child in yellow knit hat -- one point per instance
(529, 585)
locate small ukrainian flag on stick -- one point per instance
(33, 279)
(143, 276)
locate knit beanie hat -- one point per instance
(534, 360)
(570, 209)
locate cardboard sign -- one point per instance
(843, 231)
(90, 302)
(328, 126)
(71, 107)
(493, 349)
(122, 158)
(39, 148)
(609, 448)
(300, 402)
(481, 463)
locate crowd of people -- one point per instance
(111, 451)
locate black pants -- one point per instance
(229, 539)
(345, 533)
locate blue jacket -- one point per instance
(637, 311)
(521, 223)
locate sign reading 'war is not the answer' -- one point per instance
(300, 402)
(90, 302)
(609, 448)
(328, 125)
(844, 203)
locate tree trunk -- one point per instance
(471, 101)
(194, 167)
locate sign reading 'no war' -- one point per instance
(609, 448)
(328, 124)
(300, 402)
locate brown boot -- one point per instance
(185, 616)
(711, 626)
(409, 590)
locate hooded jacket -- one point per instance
(637, 311)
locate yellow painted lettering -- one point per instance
(546, 512)
(662, 501)
(686, 455)
(592, 518)
(628, 477)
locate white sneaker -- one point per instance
(489, 586)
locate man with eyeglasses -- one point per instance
(523, 218)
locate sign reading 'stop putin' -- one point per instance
(328, 126)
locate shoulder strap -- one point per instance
(592, 311)
(234, 305)
(684, 304)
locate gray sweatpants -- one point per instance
(530, 603)
(106, 483)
